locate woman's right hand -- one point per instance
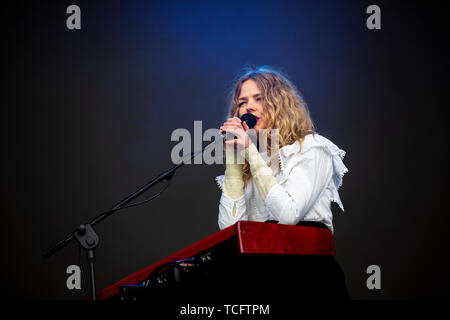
(239, 129)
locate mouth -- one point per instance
(257, 121)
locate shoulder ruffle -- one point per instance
(290, 157)
(219, 181)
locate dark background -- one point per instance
(88, 115)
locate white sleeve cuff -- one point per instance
(231, 211)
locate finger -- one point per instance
(234, 120)
(237, 121)
(236, 131)
(228, 121)
(231, 142)
(233, 127)
(229, 124)
(234, 124)
(246, 128)
(232, 131)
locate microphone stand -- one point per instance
(85, 233)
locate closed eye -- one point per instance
(257, 99)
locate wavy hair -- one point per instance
(284, 106)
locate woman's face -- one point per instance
(251, 101)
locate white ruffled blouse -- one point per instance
(307, 183)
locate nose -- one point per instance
(250, 109)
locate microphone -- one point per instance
(249, 119)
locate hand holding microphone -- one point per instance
(239, 128)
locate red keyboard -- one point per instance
(249, 238)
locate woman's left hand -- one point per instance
(239, 129)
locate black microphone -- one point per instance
(249, 119)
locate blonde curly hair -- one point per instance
(285, 108)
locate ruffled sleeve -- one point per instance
(339, 170)
(219, 181)
(308, 176)
(288, 161)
